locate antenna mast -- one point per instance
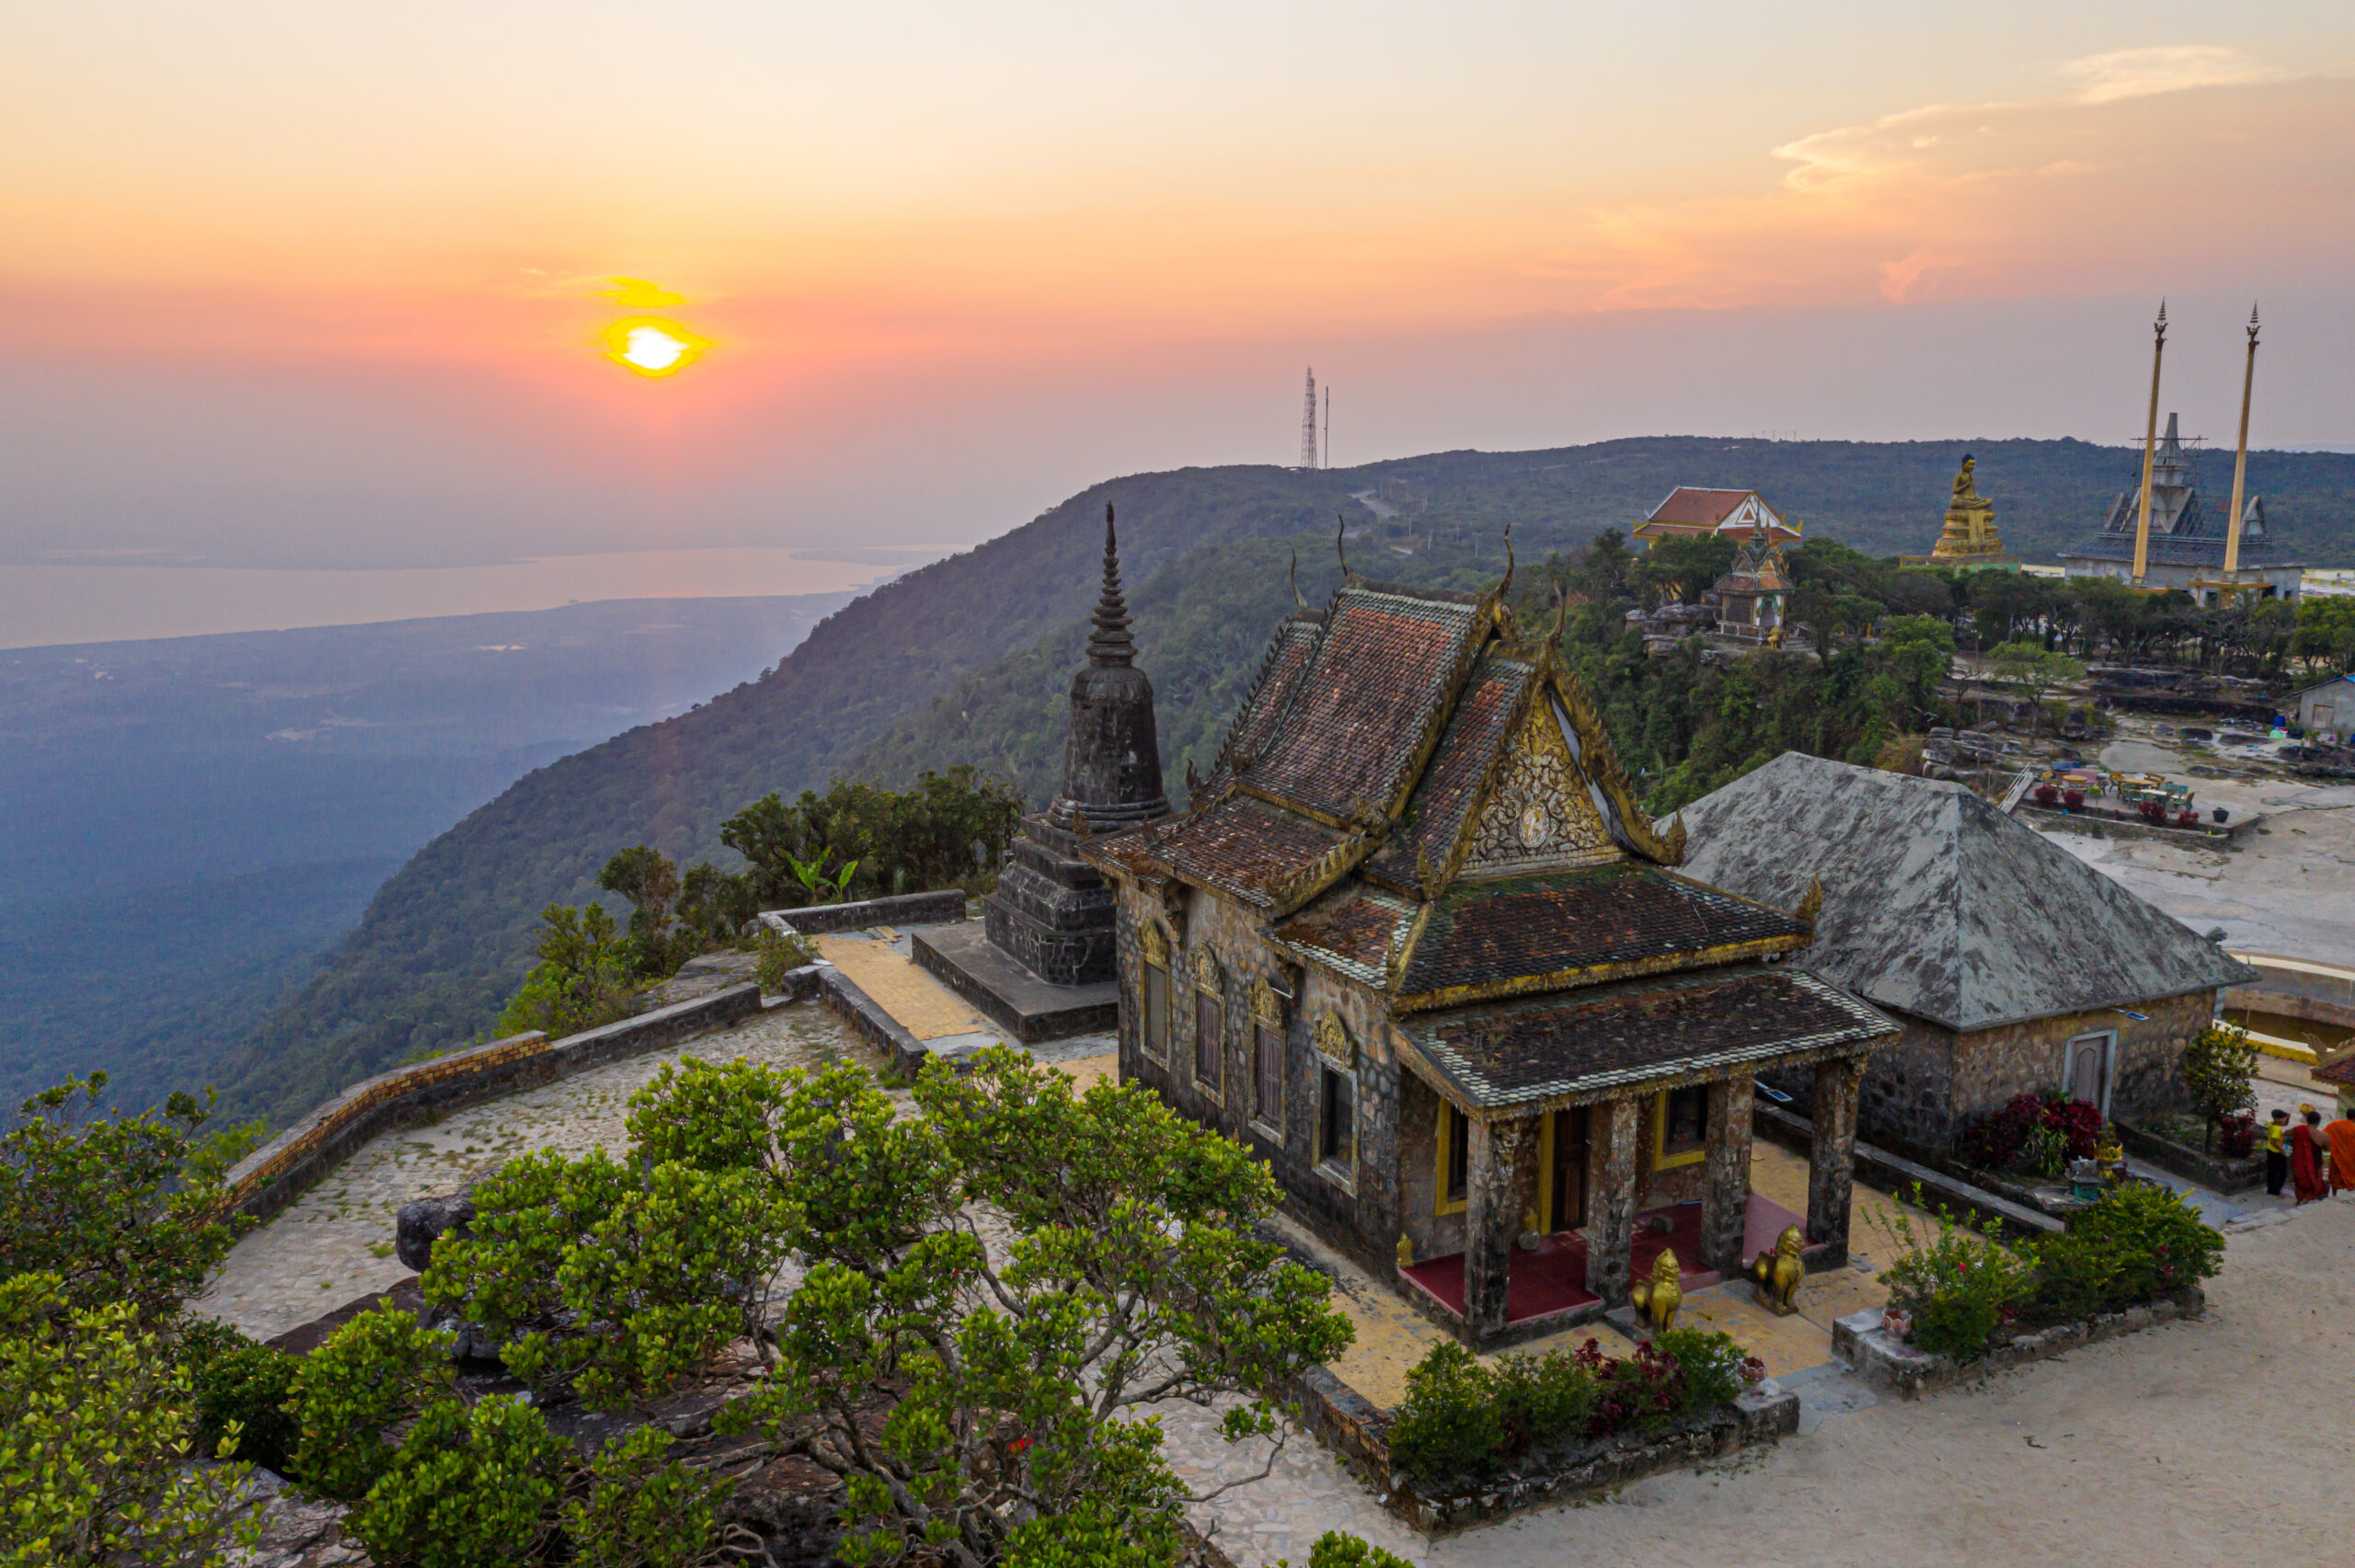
(2240, 463)
(1308, 423)
(1328, 424)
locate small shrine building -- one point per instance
(1415, 944)
(1749, 599)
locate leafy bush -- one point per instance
(780, 956)
(891, 841)
(375, 1374)
(469, 1488)
(240, 1388)
(1334, 1549)
(644, 1511)
(2036, 1135)
(101, 1204)
(1462, 1415)
(210, 1158)
(96, 1429)
(1958, 1287)
(2217, 1066)
(1449, 1423)
(2136, 1243)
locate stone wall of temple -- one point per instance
(1357, 1208)
(1920, 1093)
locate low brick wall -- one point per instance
(906, 909)
(1891, 1366)
(282, 1170)
(2215, 1172)
(2207, 835)
(867, 1016)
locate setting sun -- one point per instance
(651, 345)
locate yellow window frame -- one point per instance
(1541, 1219)
(1661, 1158)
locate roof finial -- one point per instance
(1298, 602)
(1110, 642)
(1340, 530)
(1507, 584)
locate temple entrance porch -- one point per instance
(1549, 1282)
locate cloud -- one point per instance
(1900, 278)
(2165, 68)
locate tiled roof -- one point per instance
(1619, 1036)
(1271, 694)
(1690, 505)
(1490, 934)
(1353, 931)
(1938, 904)
(2174, 550)
(2340, 1072)
(1245, 848)
(1450, 786)
(1387, 661)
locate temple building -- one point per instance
(2187, 543)
(1749, 599)
(1041, 962)
(2013, 966)
(1416, 945)
(1693, 512)
(1969, 540)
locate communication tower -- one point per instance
(1308, 424)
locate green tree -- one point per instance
(583, 980)
(2217, 1067)
(2033, 671)
(649, 881)
(978, 1391)
(109, 1204)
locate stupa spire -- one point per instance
(1110, 643)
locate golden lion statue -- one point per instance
(1658, 1299)
(1776, 1274)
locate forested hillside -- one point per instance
(966, 660)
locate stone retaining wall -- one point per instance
(906, 909)
(2205, 836)
(282, 1170)
(1889, 1364)
(2215, 1172)
(1896, 1176)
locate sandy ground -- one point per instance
(2289, 892)
(2210, 1442)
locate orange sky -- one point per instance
(323, 278)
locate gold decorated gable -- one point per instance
(1206, 973)
(1151, 943)
(1332, 1041)
(1265, 1006)
(1539, 814)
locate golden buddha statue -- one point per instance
(1970, 537)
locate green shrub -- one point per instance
(2133, 1245)
(1960, 1288)
(374, 1373)
(644, 1511)
(583, 980)
(781, 955)
(1540, 1399)
(209, 1158)
(243, 1388)
(469, 1488)
(96, 1432)
(1449, 1423)
(1713, 1368)
(1334, 1549)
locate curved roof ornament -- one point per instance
(1341, 528)
(1298, 602)
(1506, 586)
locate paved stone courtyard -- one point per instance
(335, 1241)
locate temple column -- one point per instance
(1831, 1171)
(1610, 1207)
(1725, 1196)
(1500, 1179)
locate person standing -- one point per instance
(2306, 1156)
(2340, 1136)
(2277, 1153)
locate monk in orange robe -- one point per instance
(2306, 1158)
(2340, 1136)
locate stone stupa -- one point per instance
(1042, 963)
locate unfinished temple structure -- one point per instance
(2189, 538)
(1415, 944)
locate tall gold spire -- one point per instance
(2149, 447)
(2240, 461)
